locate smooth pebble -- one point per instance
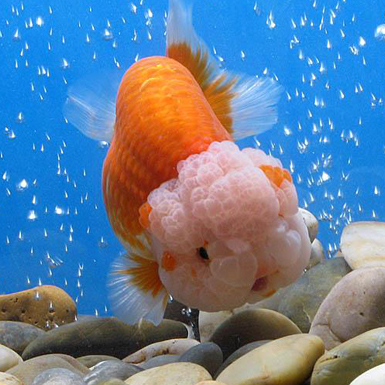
(249, 326)
(208, 355)
(17, 335)
(8, 358)
(111, 369)
(355, 305)
(106, 336)
(9, 379)
(341, 365)
(287, 360)
(179, 373)
(363, 244)
(58, 376)
(303, 298)
(374, 376)
(175, 346)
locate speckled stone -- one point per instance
(9, 379)
(43, 306)
(249, 326)
(106, 336)
(179, 373)
(239, 353)
(58, 376)
(176, 346)
(8, 358)
(288, 360)
(302, 299)
(355, 305)
(17, 335)
(341, 365)
(28, 370)
(208, 355)
(92, 360)
(111, 369)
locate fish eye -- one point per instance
(202, 252)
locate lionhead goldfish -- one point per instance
(211, 225)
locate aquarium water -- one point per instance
(328, 55)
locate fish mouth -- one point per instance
(260, 284)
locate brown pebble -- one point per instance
(43, 306)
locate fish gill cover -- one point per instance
(327, 54)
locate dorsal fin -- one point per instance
(245, 106)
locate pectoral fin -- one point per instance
(136, 290)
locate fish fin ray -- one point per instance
(90, 105)
(254, 106)
(135, 289)
(244, 106)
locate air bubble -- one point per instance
(107, 34)
(22, 185)
(39, 21)
(32, 215)
(16, 36)
(64, 64)
(20, 118)
(379, 33)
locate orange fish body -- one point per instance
(162, 117)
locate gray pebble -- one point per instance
(58, 376)
(164, 359)
(17, 335)
(208, 355)
(106, 336)
(302, 299)
(27, 371)
(112, 381)
(249, 326)
(110, 369)
(239, 353)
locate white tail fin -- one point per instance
(244, 105)
(254, 106)
(90, 105)
(136, 291)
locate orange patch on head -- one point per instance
(168, 261)
(276, 175)
(144, 214)
(269, 293)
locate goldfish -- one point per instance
(201, 221)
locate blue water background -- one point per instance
(330, 134)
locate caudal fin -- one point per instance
(90, 105)
(136, 291)
(244, 105)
